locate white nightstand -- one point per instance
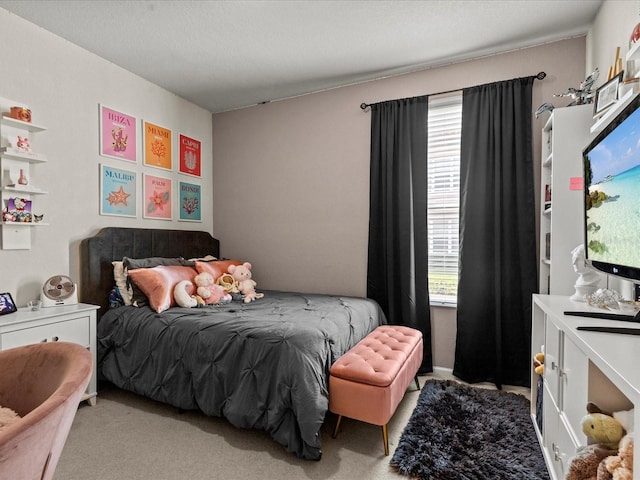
(67, 323)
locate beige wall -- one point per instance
(63, 85)
(291, 178)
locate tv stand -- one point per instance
(580, 366)
(606, 316)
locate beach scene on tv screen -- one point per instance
(612, 175)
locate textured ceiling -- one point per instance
(228, 54)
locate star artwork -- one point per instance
(118, 197)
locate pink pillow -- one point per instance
(216, 268)
(157, 283)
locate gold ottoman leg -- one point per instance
(335, 431)
(385, 439)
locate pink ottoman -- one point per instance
(368, 382)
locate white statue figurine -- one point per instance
(588, 278)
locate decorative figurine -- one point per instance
(588, 278)
(545, 107)
(23, 144)
(583, 94)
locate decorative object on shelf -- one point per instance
(607, 95)
(583, 94)
(616, 68)
(34, 305)
(7, 305)
(588, 278)
(20, 113)
(545, 107)
(22, 144)
(38, 218)
(604, 298)
(22, 179)
(18, 210)
(635, 35)
(59, 290)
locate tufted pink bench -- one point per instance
(368, 382)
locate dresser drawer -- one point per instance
(75, 330)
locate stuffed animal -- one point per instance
(227, 282)
(182, 296)
(210, 292)
(584, 465)
(538, 363)
(625, 417)
(620, 466)
(246, 285)
(603, 429)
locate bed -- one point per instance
(262, 365)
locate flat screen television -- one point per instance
(612, 196)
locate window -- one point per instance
(443, 196)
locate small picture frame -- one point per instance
(606, 95)
(7, 305)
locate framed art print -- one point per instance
(157, 197)
(117, 192)
(190, 155)
(157, 146)
(189, 199)
(117, 134)
(607, 95)
(7, 305)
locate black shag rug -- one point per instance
(458, 432)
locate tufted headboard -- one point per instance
(113, 243)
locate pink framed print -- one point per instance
(190, 158)
(117, 134)
(157, 192)
(157, 146)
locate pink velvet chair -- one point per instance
(44, 384)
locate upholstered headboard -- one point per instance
(113, 243)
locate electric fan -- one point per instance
(59, 290)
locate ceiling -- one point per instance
(228, 54)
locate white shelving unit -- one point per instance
(564, 136)
(579, 367)
(17, 235)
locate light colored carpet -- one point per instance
(125, 436)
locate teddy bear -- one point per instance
(538, 363)
(620, 466)
(586, 462)
(603, 429)
(246, 285)
(210, 292)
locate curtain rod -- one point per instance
(364, 106)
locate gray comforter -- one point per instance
(261, 365)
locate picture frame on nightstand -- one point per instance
(7, 305)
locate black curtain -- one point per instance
(397, 257)
(497, 269)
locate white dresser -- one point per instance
(580, 367)
(68, 323)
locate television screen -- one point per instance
(612, 191)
